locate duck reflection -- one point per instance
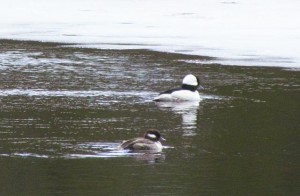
(150, 158)
(188, 111)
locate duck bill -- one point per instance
(162, 138)
(200, 87)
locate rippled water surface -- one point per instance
(65, 110)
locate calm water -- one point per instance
(65, 110)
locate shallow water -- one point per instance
(65, 110)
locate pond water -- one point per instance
(65, 110)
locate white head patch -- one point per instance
(190, 79)
(151, 135)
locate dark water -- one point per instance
(65, 110)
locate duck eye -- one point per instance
(151, 135)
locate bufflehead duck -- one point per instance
(187, 92)
(150, 142)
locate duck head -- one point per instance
(153, 135)
(191, 82)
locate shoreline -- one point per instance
(194, 59)
(228, 31)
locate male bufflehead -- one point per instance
(150, 142)
(187, 92)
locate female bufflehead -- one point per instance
(150, 142)
(187, 92)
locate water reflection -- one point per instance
(188, 111)
(150, 157)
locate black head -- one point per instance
(153, 135)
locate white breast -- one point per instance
(159, 146)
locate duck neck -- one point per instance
(189, 87)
